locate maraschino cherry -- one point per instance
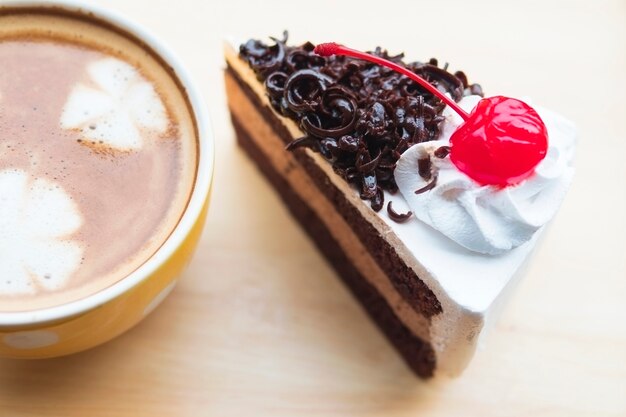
(500, 142)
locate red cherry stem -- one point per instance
(332, 48)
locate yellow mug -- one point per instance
(93, 320)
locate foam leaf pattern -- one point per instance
(115, 107)
(37, 219)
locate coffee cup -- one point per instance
(105, 175)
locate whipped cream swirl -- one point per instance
(488, 219)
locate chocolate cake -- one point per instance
(361, 156)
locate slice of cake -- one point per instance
(428, 234)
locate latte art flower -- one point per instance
(37, 219)
(115, 107)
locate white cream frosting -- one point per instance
(487, 219)
(115, 106)
(37, 219)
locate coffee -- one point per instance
(98, 155)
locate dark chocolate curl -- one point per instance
(398, 217)
(303, 88)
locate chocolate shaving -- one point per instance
(368, 166)
(429, 186)
(369, 186)
(398, 217)
(378, 200)
(424, 168)
(360, 116)
(442, 151)
(305, 141)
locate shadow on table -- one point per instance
(262, 354)
(134, 376)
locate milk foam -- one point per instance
(115, 107)
(37, 220)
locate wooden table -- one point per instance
(261, 326)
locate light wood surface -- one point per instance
(261, 326)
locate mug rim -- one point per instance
(200, 190)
